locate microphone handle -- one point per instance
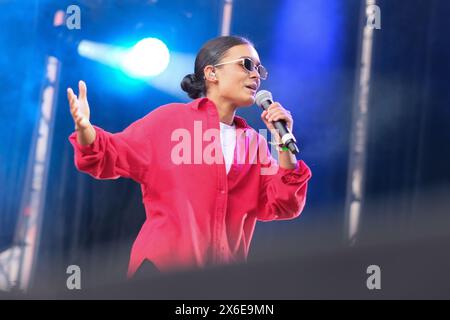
(280, 125)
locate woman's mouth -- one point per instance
(251, 88)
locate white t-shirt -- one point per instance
(228, 142)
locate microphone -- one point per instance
(264, 99)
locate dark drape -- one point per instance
(408, 180)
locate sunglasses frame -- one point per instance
(242, 62)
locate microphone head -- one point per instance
(262, 96)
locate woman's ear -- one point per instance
(209, 73)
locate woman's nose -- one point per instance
(255, 74)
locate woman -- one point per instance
(202, 197)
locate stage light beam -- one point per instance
(149, 57)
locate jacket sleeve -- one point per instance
(282, 192)
(112, 155)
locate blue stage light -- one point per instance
(149, 57)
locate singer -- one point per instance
(198, 213)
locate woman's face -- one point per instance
(235, 83)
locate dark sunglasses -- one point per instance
(249, 65)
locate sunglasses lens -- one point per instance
(248, 64)
(262, 72)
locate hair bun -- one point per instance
(192, 86)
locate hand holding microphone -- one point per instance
(276, 117)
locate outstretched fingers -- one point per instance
(82, 89)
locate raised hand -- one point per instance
(79, 106)
(79, 109)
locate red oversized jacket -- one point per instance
(196, 213)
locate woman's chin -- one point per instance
(248, 101)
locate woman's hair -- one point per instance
(210, 54)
